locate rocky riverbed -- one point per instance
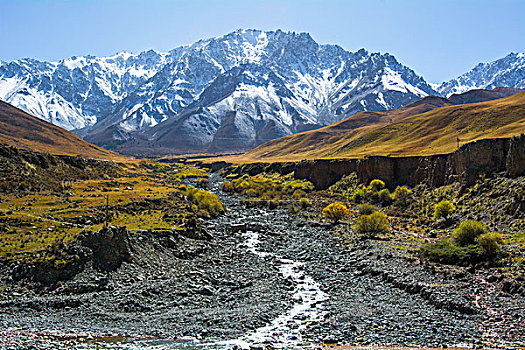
(260, 279)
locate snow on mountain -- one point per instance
(263, 85)
(508, 71)
(75, 92)
(226, 93)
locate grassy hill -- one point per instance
(22, 130)
(428, 126)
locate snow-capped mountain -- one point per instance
(228, 93)
(240, 90)
(75, 92)
(508, 71)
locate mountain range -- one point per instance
(229, 93)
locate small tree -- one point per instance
(443, 209)
(467, 232)
(372, 224)
(335, 211)
(402, 196)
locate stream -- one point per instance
(285, 330)
(303, 302)
(266, 281)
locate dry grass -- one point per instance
(22, 130)
(417, 129)
(29, 222)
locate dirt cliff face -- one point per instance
(465, 165)
(515, 163)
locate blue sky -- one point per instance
(438, 39)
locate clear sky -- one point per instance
(438, 39)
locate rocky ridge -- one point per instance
(226, 93)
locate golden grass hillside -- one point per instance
(22, 130)
(428, 126)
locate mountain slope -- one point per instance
(428, 126)
(19, 129)
(508, 71)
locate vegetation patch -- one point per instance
(270, 190)
(372, 225)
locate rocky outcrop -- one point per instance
(516, 156)
(110, 247)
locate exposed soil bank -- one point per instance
(471, 160)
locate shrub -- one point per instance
(358, 196)
(385, 197)
(345, 186)
(298, 194)
(304, 202)
(443, 209)
(376, 185)
(294, 185)
(227, 186)
(445, 251)
(272, 204)
(402, 196)
(366, 209)
(204, 182)
(205, 201)
(335, 211)
(467, 232)
(251, 193)
(372, 224)
(489, 243)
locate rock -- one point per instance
(110, 247)
(205, 290)
(235, 228)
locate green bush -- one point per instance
(402, 196)
(335, 211)
(358, 196)
(443, 209)
(385, 197)
(445, 251)
(489, 243)
(366, 209)
(467, 232)
(376, 185)
(372, 224)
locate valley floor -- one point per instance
(219, 289)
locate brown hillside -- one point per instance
(22, 130)
(428, 126)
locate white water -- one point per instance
(285, 330)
